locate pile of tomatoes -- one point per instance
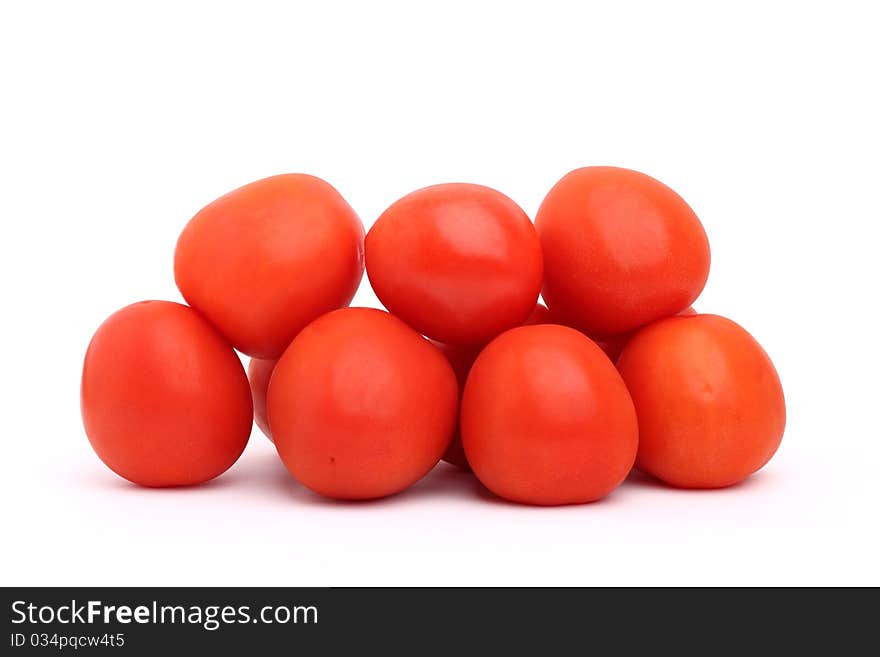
(546, 404)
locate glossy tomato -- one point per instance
(462, 358)
(259, 372)
(165, 400)
(546, 419)
(621, 249)
(613, 345)
(459, 263)
(710, 404)
(360, 405)
(264, 260)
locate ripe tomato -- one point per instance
(264, 260)
(540, 315)
(462, 358)
(165, 400)
(621, 250)
(613, 346)
(259, 372)
(546, 419)
(360, 405)
(459, 263)
(710, 404)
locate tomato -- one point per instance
(613, 345)
(264, 260)
(259, 372)
(620, 250)
(360, 405)
(459, 263)
(462, 358)
(165, 400)
(540, 315)
(546, 418)
(710, 405)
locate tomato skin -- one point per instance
(540, 315)
(462, 358)
(613, 345)
(621, 249)
(264, 260)
(459, 263)
(259, 372)
(164, 399)
(360, 405)
(546, 419)
(710, 405)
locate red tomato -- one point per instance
(540, 315)
(710, 405)
(165, 400)
(462, 357)
(360, 405)
(613, 346)
(259, 372)
(264, 260)
(459, 263)
(621, 250)
(546, 419)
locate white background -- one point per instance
(119, 120)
